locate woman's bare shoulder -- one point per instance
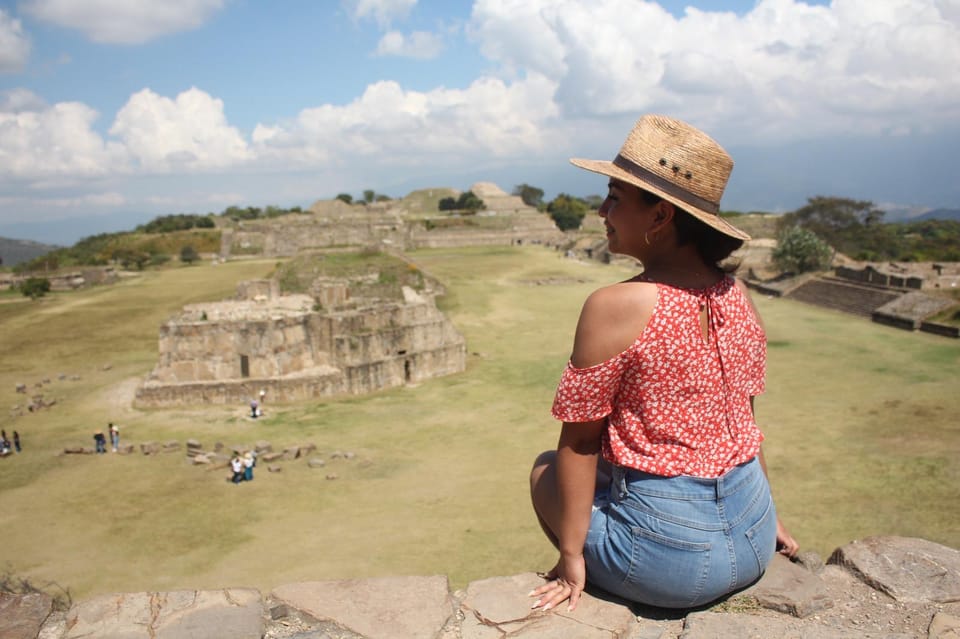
(746, 293)
(611, 320)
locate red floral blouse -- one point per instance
(677, 405)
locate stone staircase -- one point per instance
(843, 295)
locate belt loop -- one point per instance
(619, 483)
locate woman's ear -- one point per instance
(663, 215)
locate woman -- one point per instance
(661, 382)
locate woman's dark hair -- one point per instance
(712, 245)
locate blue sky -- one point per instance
(115, 111)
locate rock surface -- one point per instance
(906, 568)
(235, 613)
(23, 615)
(876, 588)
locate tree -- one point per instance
(345, 197)
(130, 258)
(838, 221)
(594, 202)
(470, 202)
(369, 195)
(140, 259)
(188, 255)
(567, 211)
(467, 201)
(799, 250)
(179, 222)
(34, 287)
(531, 195)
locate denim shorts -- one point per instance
(681, 542)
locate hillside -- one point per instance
(13, 252)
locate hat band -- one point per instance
(665, 185)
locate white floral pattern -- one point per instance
(677, 405)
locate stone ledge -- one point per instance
(880, 587)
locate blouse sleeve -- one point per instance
(586, 394)
(757, 370)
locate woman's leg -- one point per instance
(544, 493)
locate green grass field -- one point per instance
(861, 425)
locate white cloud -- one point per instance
(188, 200)
(422, 45)
(14, 44)
(90, 200)
(123, 21)
(383, 11)
(18, 100)
(43, 142)
(390, 126)
(784, 69)
(46, 145)
(185, 133)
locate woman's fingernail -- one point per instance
(535, 603)
(530, 594)
(547, 607)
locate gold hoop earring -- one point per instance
(646, 239)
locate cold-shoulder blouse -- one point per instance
(677, 404)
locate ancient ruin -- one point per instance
(333, 341)
(901, 295)
(409, 223)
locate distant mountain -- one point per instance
(12, 252)
(939, 214)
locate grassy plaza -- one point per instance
(860, 419)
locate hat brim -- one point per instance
(604, 167)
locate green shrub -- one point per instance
(34, 287)
(799, 250)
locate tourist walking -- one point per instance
(16, 441)
(114, 436)
(659, 455)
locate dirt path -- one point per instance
(118, 398)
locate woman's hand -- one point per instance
(565, 582)
(786, 544)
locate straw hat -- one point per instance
(681, 164)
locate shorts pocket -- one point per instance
(763, 537)
(667, 569)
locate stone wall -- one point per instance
(879, 588)
(64, 280)
(906, 275)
